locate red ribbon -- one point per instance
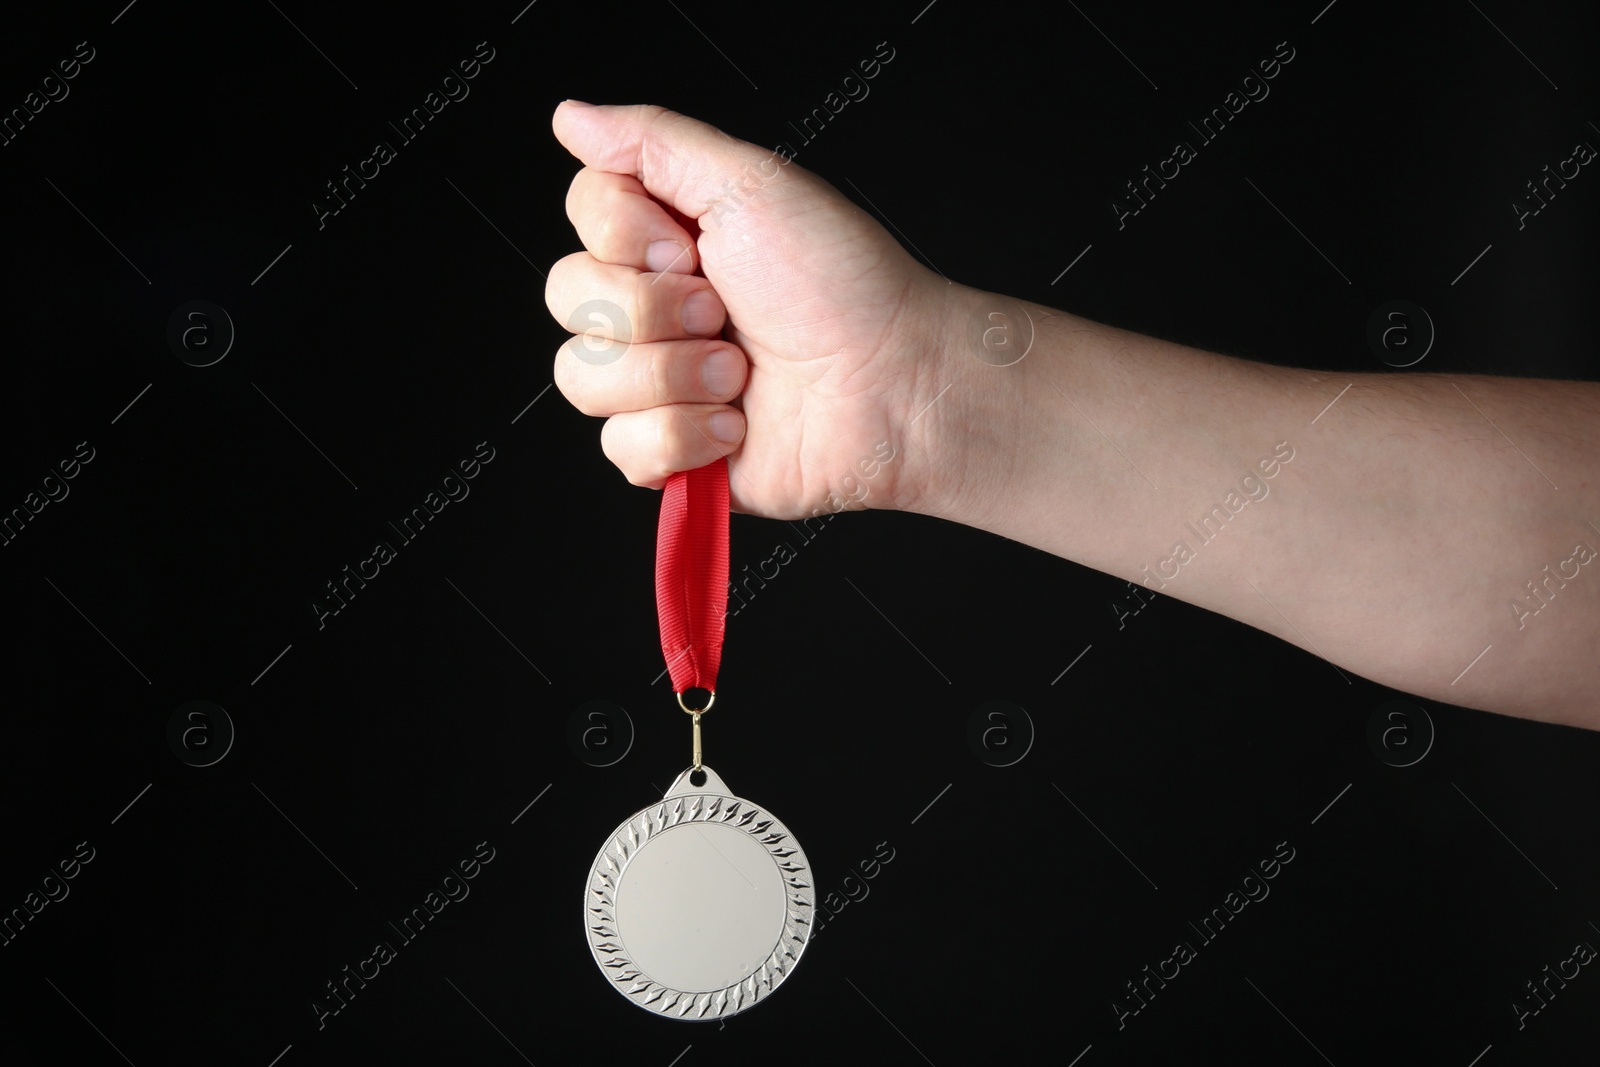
(692, 574)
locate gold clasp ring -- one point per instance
(710, 700)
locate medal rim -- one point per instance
(697, 804)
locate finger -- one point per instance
(649, 446)
(681, 161)
(623, 304)
(618, 222)
(601, 377)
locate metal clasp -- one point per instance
(696, 713)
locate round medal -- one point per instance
(699, 905)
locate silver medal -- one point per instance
(699, 905)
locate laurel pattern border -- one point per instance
(631, 836)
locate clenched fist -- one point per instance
(749, 310)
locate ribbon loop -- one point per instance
(692, 574)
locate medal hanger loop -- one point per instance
(696, 713)
(710, 700)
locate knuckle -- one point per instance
(564, 379)
(607, 234)
(652, 114)
(575, 194)
(642, 465)
(569, 380)
(663, 444)
(608, 442)
(657, 371)
(632, 441)
(552, 288)
(563, 268)
(564, 272)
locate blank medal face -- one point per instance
(700, 904)
(700, 907)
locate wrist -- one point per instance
(974, 406)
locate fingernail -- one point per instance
(577, 103)
(663, 256)
(727, 427)
(700, 312)
(720, 373)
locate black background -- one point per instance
(427, 715)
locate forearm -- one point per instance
(1393, 533)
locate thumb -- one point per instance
(680, 161)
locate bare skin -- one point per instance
(1434, 533)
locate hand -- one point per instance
(842, 328)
